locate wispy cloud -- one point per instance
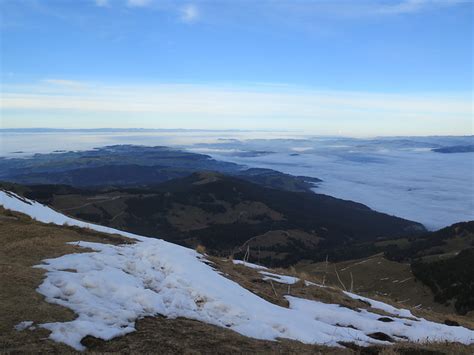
(220, 101)
(412, 6)
(308, 11)
(66, 83)
(52, 101)
(102, 3)
(138, 3)
(189, 13)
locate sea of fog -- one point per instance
(401, 176)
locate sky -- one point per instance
(326, 67)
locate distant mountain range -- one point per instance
(456, 149)
(130, 165)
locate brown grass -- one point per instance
(184, 336)
(201, 249)
(426, 349)
(252, 280)
(23, 244)
(389, 282)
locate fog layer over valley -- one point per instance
(400, 176)
(426, 179)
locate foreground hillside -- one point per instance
(114, 288)
(25, 243)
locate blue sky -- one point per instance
(329, 67)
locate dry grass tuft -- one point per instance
(426, 348)
(201, 249)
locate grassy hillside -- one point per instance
(376, 276)
(26, 242)
(434, 270)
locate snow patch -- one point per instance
(23, 325)
(310, 283)
(41, 213)
(383, 306)
(250, 265)
(283, 279)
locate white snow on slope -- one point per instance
(383, 306)
(44, 214)
(23, 325)
(283, 279)
(113, 286)
(250, 265)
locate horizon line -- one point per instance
(110, 129)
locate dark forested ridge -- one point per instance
(223, 213)
(445, 241)
(451, 280)
(444, 261)
(455, 149)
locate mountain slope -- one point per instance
(227, 214)
(434, 270)
(112, 286)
